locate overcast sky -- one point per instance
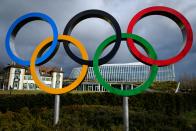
(162, 32)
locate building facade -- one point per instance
(118, 74)
(17, 77)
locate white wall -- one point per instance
(12, 76)
(54, 79)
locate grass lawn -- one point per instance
(35, 92)
(21, 92)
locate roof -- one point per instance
(45, 70)
(14, 65)
(123, 64)
(118, 64)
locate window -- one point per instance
(48, 79)
(25, 86)
(17, 71)
(43, 78)
(15, 85)
(25, 77)
(31, 86)
(29, 77)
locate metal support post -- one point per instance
(56, 109)
(125, 112)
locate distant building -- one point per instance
(130, 74)
(17, 77)
(119, 74)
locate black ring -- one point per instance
(89, 14)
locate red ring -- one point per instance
(178, 18)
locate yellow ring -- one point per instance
(66, 88)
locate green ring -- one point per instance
(147, 47)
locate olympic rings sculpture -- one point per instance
(40, 57)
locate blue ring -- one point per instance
(18, 23)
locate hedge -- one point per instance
(167, 103)
(90, 117)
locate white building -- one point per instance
(19, 78)
(117, 74)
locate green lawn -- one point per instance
(21, 92)
(34, 92)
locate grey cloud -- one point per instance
(92, 32)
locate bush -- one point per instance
(90, 117)
(171, 104)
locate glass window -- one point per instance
(29, 77)
(17, 71)
(25, 86)
(31, 86)
(48, 79)
(43, 78)
(25, 77)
